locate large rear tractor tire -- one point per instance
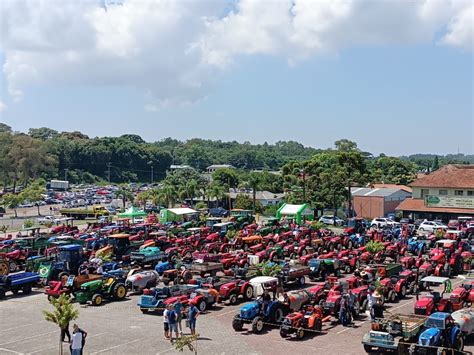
(120, 291)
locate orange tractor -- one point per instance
(309, 319)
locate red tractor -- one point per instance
(309, 319)
(406, 283)
(433, 301)
(349, 261)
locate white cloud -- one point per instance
(173, 50)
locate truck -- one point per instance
(23, 281)
(83, 213)
(58, 185)
(386, 333)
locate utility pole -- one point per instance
(230, 200)
(109, 164)
(304, 184)
(65, 174)
(152, 174)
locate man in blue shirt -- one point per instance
(172, 322)
(193, 313)
(178, 308)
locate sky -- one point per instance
(394, 76)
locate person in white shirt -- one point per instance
(76, 343)
(166, 323)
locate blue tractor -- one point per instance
(357, 240)
(415, 246)
(259, 314)
(441, 331)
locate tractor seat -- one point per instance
(467, 287)
(436, 296)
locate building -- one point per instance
(266, 198)
(378, 201)
(181, 167)
(212, 168)
(446, 193)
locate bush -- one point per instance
(28, 223)
(200, 205)
(374, 247)
(316, 225)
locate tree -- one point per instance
(4, 128)
(435, 165)
(43, 133)
(34, 193)
(243, 201)
(226, 176)
(125, 195)
(217, 191)
(63, 313)
(12, 201)
(253, 182)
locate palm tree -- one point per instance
(217, 191)
(254, 182)
(191, 188)
(168, 195)
(125, 195)
(64, 312)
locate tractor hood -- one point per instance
(249, 310)
(429, 336)
(91, 284)
(423, 302)
(438, 257)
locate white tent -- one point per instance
(182, 211)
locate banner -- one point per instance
(452, 202)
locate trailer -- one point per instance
(23, 281)
(386, 333)
(206, 268)
(294, 273)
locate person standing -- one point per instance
(343, 311)
(64, 333)
(178, 308)
(193, 313)
(172, 322)
(166, 324)
(370, 304)
(78, 340)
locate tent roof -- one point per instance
(182, 211)
(133, 212)
(288, 209)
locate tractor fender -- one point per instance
(398, 285)
(454, 334)
(243, 287)
(438, 270)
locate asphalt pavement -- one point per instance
(120, 328)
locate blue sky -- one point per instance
(395, 98)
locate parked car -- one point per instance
(331, 220)
(218, 212)
(383, 222)
(431, 226)
(47, 219)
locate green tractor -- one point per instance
(97, 290)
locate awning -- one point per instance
(182, 211)
(418, 205)
(133, 212)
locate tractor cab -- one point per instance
(433, 301)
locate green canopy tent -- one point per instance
(133, 212)
(295, 211)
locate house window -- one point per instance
(458, 192)
(470, 193)
(424, 193)
(443, 192)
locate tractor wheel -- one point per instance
(318, 325)
(320, 250)
(357, 309)
(403, 291)
(302, 281)
(50, 298)
(459, 342)
(321, 302)
(13, 265)
(270, 244)
(339, 247)
(283, 333)
(144, 310)
(188, 255)
(237, 324)
(97, 300)
(120, 291)
(363, 308)
(304, 252)
(331, 247)
(4, 268)
(277, 315)
(15, 291)
(368, 349)
(300, 333)
(233, 299)
(248, 293)
(293, 256)
(187, 276)
(202, 306)
(26, 289)
(347, 269)
(392, 297)
(257, 325)
(2, 293)
(349, 244)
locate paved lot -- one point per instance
(120, 328)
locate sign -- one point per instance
(451, 202)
